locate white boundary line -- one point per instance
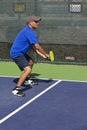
(27, 103)
(46, 79)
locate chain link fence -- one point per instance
(63, 27)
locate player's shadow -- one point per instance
(34, 78)
(34, 75)
(24, 87)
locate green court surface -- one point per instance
(51, 71)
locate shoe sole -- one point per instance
(18, 95)
(31, 84)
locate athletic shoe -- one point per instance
(18, 92)
(30, 82)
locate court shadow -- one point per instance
(34, 75)
(35, 79)
(27, 87)
(44, 80)
(24, 87)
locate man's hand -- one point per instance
(40, 51)
(47, 57)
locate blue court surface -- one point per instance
(50, 105)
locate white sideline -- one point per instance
(84, 81)
(27, 103)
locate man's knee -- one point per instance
(27, 69)
(31, 62)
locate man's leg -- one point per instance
(17, 90)
(23, 64)
(29, 81)
(24, 75)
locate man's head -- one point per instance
(33, 21)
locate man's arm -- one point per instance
(40, 51)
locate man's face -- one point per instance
(34, 24)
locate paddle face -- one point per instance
(51, 55)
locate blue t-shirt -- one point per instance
(25, 38)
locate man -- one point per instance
(25, 39)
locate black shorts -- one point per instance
(22, 61)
